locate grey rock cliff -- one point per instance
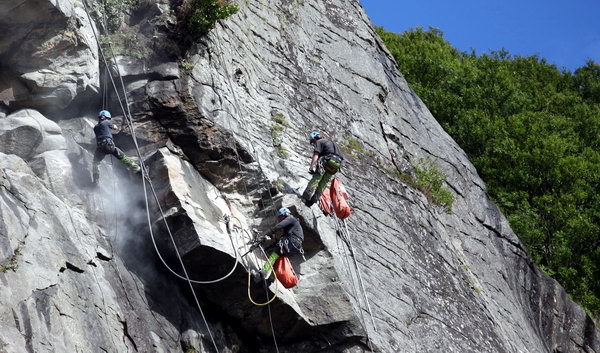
(80, 270)
(49, 55)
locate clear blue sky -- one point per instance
(564, 32)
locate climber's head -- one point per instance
(104, 114)
(314, 136)
(283, 212)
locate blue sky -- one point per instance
(564, 32)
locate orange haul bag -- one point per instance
(325, 203)
(285, 272)
(339, 196)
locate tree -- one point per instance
(533, 133)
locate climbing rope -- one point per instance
(360, 280)
(145, 178)
(351, 274)
(265, 282)
(268, 301)
(256, 157)
(145, 175)
(244, 127)
(341, 230)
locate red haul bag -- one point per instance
(325, 203)
(339, 196)
(285, 272)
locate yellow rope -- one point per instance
(271, 300)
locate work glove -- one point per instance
(264, 238)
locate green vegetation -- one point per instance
(279, 184)
(191, 350)
(282, 153)
(354, 145)
(202, 15)
(186, 66)
(12, 263)
(124, 42)
(279, 119)
(430, 181)
(276, 130)
(112, 12)
(533, 133)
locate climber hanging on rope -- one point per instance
(289, 244)
(105, 145)
(326, 161)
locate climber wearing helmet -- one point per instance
(105, 145)
(291, 241)
(326, 161)
(289, 244)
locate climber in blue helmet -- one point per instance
(326, 161)
(105, 145)
(292, 237)
(289, 244)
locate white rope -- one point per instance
(144, 175)
(237, 255)
(242, 120)
(244, 127)
(360, 280)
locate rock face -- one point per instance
(223, 136)
(49, 55)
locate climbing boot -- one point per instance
(307, 194)
(313, 199)
(309, 201)
(95, 178)
(131, 165)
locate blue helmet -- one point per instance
(284, 212)
(313, 135)
(104, 113)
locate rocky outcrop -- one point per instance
(48, 53)
(223, 135)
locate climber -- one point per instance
(290, 242)
(326, 161)
(105, 145)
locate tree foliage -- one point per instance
(203, 14)
(533, 133)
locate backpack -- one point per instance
(285, 272)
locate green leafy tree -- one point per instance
(533, 133)
(204, 14)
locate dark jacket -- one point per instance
(102, 130)
(291, 228)
(325, 147)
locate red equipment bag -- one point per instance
(339, 196)
(285, 272)
(325, 203)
